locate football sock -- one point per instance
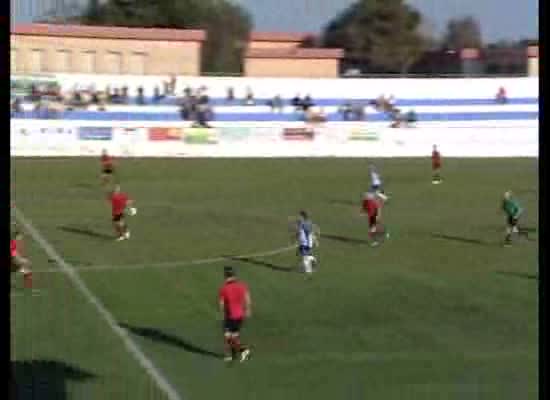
(307, 264)
(227, 346)
(27, 280)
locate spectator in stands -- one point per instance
(276, 104)
(156, 95)
(501, 97)
(249, 98)
(172, 85)
(187, 92)
(230, 95)
(124, 94)
(346, 110)
(296, 102)
(307, 103)
(140, 96)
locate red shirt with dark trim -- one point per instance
(13, 247)
(233, 294)
(119, 201)
(107, 161)
(436, 159)
(371, 206)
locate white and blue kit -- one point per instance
(376, 182)
(306, 242)
(305, 238)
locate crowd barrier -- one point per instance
(47, 138)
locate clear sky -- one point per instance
(500, 19)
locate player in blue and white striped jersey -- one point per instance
(307, 240)
(376, 183)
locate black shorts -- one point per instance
(232, 325)
(512, 221)
(118, 217)
(107, 170)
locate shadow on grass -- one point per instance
(345, 239)
(340, 202)
(253, 261)
(522, 275)
(86, 232)
(43, 379)
(172, 340)
(460, 239)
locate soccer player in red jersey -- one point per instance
(18, 262)
(372, 207)
(107, 167)
(436, 165)
(119, 203)
(235, 305)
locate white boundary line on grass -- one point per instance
(73, 275)
(170, 264)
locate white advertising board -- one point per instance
(44, 138)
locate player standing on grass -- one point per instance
(513, 211)
(376, 183)
(436, 165)
(120, 204)
(306, 241)
(372, 207)
(235, 305)
(18, 262)
(107, 168)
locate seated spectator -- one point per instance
(156, 95)
(296, 102)
(276, 104)
(358, 112)
(307, 103)
(501, 96)
(140, 96)
(124, 94)
(187, 91)
(172, 85)
(315, 115)
(249, 98)
(346, 110)
(230, 95)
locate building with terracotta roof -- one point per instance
(48, 48)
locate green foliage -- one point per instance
(463, 33)
(226, 23)
(384, 34)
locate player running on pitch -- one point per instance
(376, 183)
(307, 240)
(372, 207)
(121, 204)
(513, 211)
(18, 262)
(107, 168)
(436, 166)
(235, 305)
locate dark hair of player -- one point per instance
(303, 214)
(228, 272)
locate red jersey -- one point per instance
(436, 158)
(371, 206)
(233, 294)
(119, 201)
(106, 161)
(13, 247)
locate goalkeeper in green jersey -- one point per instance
(513, 211)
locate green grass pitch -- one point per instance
(440, 311)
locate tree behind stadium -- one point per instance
(227, 24)
(381, 35)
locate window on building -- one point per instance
(64, 61)
(37, 60)
(114, 63)
(138, 63)
(89, 62)
(13, 58)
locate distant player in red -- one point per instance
(18, 262)
(436, 165)
(372, 207)
(107, 167)
(235, 305)
(120, 203)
